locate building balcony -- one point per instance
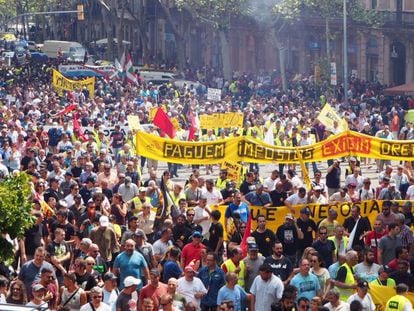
(397, 19)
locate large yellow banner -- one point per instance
(221, 120)
(247, 149)
(275, 216)
(381, 294)
(61, 83)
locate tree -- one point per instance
(217, 14)
(179, 29)
(15, 211)
(288, 12)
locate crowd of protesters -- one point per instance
(100, 247)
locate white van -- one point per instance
(74, 51)
(158, 77)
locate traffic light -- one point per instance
(81, 15)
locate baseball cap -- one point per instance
(140, 233)
(253, 247)
(142, 189)
(131, 281)
(305, 211)
(289, 216)
(317, 188)
(104, 221)
(155, 272)
(109, 276)
(197, 234)
(385, 268)
(38, 287)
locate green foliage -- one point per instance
(15, 211)
(214, 12)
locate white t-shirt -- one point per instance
(367, 302)
(270, 184)
(110, 298)
(410, 192)
(188, 289)
(200, 213)
(266, 292)
(213, 197)
(160, 248)
(295, 199)
(343, 306)
(102, 307)
(42, 306)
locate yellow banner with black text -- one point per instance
(247, 149)
(61, 83)
(275, 216)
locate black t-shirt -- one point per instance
(225, 194)
(247, 187)
(288, 236)
(325, 250)
(405, 278)
(307, 227)
(33, 237)
(58, 250)
(363, 226)
(216, 232)
(86, 281)
(333, 178)
(278, 198)
(282, 268)
(264, 241)
(182, 233)
(76, 171)
(52, 193)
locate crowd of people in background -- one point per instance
(101, 248)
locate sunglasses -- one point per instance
(97, 297)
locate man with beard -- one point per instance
(281, 266)
(368, 269)
(372, 238)
(181, 232)
(130, 263)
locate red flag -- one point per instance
(66, 110)
(77, 128)
(246, 235)
(193, 127)
(162, 120)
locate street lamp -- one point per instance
(345, 56)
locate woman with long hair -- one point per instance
(17, 293)
(317, 268)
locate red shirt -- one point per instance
(372, 241)
(192, 252)
(154, 293)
